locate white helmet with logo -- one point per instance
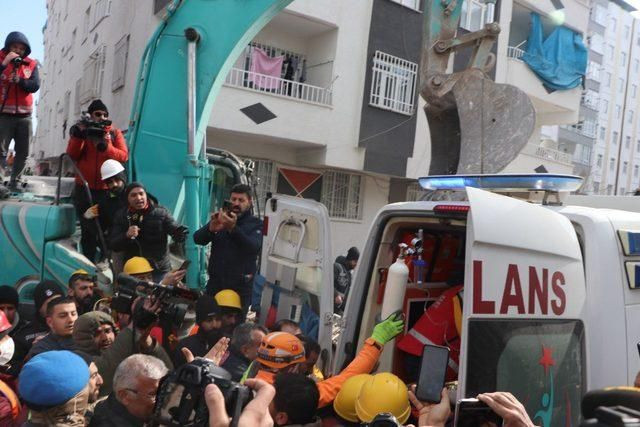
(110, 168)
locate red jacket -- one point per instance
(89, 159)
(17, 97)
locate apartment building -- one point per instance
(340, 120)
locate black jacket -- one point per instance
(111, 413)
(198, 345)
(232, 264)
(109, 206)
(236, 364)
(23, 339)
(341, 281)
(156, 226)
(51, 342)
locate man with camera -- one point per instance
(93, 140)
(19, 79)
(236, 239)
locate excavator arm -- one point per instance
(497, 119)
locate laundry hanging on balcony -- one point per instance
(265, 72)
(560, 61)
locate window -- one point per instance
(393, 85)
(593, 71)
(627, 32)
(101, 11)
(413, 4)
(342, 194)
(66, 105)
(625, 165)
(610, 51)
(267, 173)
(635, 171)
(620, 85)
(638, 146)
(612, 24)
(473, 16)
(634, 90)
(591, 99)
(605, 106)
(92, 75)
(609, 189)
(86, 24)
(498, 348)
(415, 193)
(612, 163)
(603, 132)
(618, 111)
(607, 80)
(597, 43)
(627, 142)
(120, 55)
(599, 161)
(630, 116)
(636, 65)
(623, 59)
(600, 15)
(614, 138)
(72, 43)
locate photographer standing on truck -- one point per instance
(19, 79)
(93, 140)
(236, 239)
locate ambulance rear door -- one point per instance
(297, 273)
(524, 299)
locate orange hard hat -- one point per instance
(280, 349)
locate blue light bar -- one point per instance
(503, 182)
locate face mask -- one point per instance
(7, 347)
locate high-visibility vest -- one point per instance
(16, 100)
(440, 324)
(10, 395)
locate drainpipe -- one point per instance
(191, 165)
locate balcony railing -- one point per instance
(589, 131)
(278, 86)
(515, 53)
(555, 155)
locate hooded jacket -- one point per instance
(23, 339)
(341, 281)
(17, 97)
(85, 328)
(69, 414)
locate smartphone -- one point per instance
(432, 373)
(184, 265)
(472, 413)
(227, 206)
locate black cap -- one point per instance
(97, 105)
(45, 290)
(8, 295)
(353, 254)
(206, 306)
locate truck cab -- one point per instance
(549, 299)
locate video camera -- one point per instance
(180, 400)
(17, 61)
(129, 288)
(93, 131)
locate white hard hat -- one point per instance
(110, 168)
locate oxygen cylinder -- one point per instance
(397, 278)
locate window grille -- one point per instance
(393, 83)
(342, 195)
(120, 57)
(93, 75)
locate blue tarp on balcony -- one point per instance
(560, 61)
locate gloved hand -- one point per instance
(181, 233)
(389, 328)
(92, 212)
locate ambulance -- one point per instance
(551, 302)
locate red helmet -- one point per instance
(4, 322)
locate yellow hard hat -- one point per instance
(77, 274)
(345, 402)
(228, 298)
(383, 392)
(137, 265)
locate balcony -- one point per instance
(534, 155)
(554, 155)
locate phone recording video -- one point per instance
(474, 413)
(433, 369)
(227, 206)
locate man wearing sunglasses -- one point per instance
(89, 153)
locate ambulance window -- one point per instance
(540, 362)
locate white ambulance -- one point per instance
(551, 292)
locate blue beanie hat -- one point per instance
(52, 378)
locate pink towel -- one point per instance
(263, 64)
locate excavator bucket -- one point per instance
(497, 122)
